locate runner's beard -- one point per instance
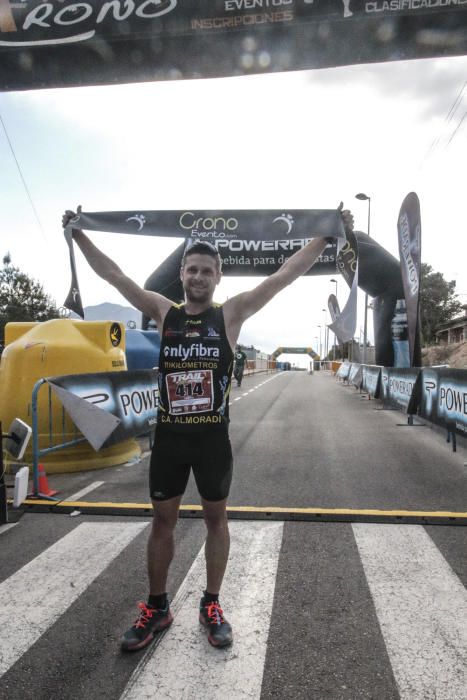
(200, 295)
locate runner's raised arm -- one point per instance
(240, 307)
(152, 304)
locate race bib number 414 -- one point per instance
(190, 392)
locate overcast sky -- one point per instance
(292, 140)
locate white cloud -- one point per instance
(285, 140)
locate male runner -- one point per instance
(195, 369)
(239, 368)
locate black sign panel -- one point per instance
(262, 258)
(247, 225)
(344, 370)
(356, 374)
(73, 300)
(397, 386)
(109, 407)
(371, 380)
(65, 43)
(441, 397)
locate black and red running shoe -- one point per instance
(149, 623)
(212, 617)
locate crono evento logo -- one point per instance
(46, 23)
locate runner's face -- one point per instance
(200, 277)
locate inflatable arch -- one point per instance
(379, 276)
(294, 351)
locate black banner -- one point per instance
(344, 370)
(109, 407)
(409, 235)
(347, 260)
(246, 225)
(255, 242)
(356, 375)
(371, 380)
(65, 43)
(397, 386)
(333, 306)
(263, 258)
(73, 300)
(440, 396)
(347, 264)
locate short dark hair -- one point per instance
(203, 248)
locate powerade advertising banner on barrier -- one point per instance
(343, 371)
(355, 375)
(440, 396)
(397, 386)
(371, 380)
(109, 407)
(65, 43)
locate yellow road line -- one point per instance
(257, 509)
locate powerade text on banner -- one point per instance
(440, 396)
(109, 407)
(397, 386)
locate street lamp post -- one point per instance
(326, 335)
(320, 345)
(364, 197)
(334, 344)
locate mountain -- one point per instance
(111, 312)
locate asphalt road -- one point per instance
(305, 441)
(321, 611)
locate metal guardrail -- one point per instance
(38, 452)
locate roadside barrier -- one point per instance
(104, 409)
(38, 452)
(436, 394)
(261, 365)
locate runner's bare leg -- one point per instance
(161, 544)
(217, 542)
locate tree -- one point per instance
(438, 302)
(22, 298)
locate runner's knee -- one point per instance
(215, 514)
(166, 514)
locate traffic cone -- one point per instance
(43, 483)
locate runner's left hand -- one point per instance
(347, 217)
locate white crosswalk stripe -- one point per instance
(420, 603)
(33, 598)
(421, 607)
(248, 590)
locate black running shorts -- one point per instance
(209, 454)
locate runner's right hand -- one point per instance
(68, 215)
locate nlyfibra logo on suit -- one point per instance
(194, 350)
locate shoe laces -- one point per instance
(145, 615)
(215, 613)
